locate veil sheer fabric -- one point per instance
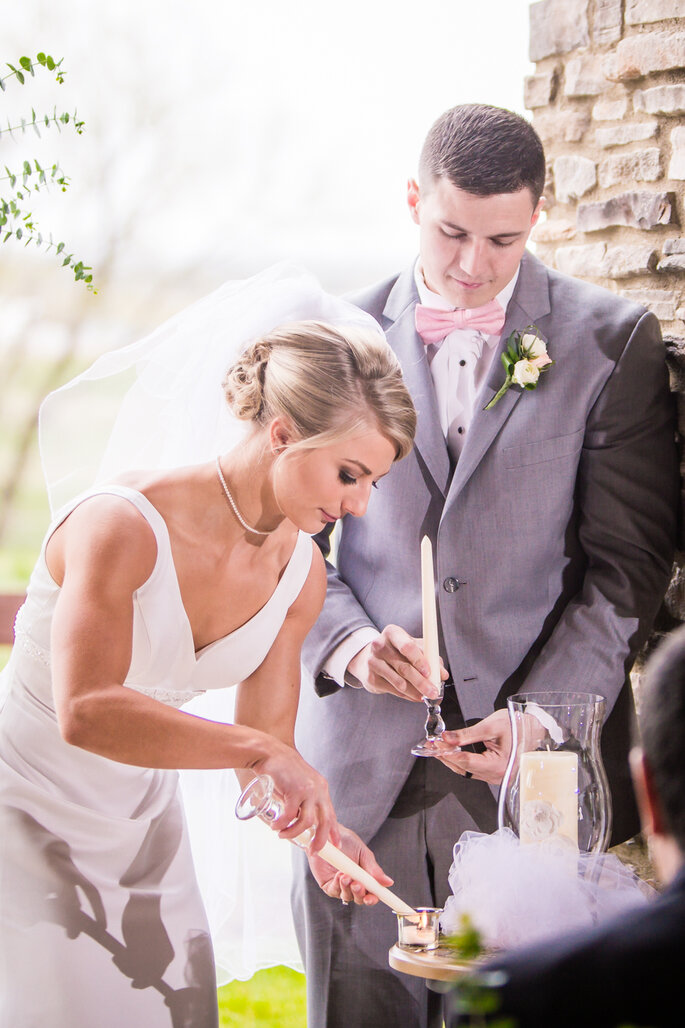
(158, 403)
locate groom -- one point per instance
(552, 518)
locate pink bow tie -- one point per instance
(433, 325)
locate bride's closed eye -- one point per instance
(346, 478)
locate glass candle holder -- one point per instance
(555, 788)
(420, 930)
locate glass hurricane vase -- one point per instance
(555, 787)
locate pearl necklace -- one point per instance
(241, 519)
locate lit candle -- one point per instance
(430, 618)
(548, 795)
(421, 930)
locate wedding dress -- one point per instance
(101, 919)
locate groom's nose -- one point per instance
(471, 257)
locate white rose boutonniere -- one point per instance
(524, 360)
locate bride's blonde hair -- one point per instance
(328, 382)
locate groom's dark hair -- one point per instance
(484, 150)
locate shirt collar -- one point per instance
(435, 300)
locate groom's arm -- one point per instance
(346, 648)
(627, 493)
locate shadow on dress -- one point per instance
(50, 887)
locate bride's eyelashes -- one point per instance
(347, 479)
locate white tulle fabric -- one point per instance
(518, 894)
(159, 403)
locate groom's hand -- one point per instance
(341, 886)
(494, 732)
(394, 663)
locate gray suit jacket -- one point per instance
(558, 523)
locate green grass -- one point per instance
(274, 998)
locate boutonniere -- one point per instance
(524, 360)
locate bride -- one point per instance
(152, 587)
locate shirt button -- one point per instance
(462, 363)
(450, 585)
(460, 429)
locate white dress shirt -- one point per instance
(459, 366)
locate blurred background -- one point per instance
(220, 136)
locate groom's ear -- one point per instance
(413, 196)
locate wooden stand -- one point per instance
(437, 965)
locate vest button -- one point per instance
(450, 585)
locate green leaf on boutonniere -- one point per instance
(524, 360)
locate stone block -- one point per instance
(675, 359)
(638, 166)
(643, 12)
(583, 76)
(610, 110)
(660, 100)
(539, 90)
(599, 260)
(627, 132)
(676, 245)
(644, 54)
(607, 22)
(553, 230)
(674, 263)
(661, 302)
(562, 126)
(581, 261)
(557, 26)
(626, 261)
(573, 177)
(676, 167)
(636, 210)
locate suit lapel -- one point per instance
(401, 334)
(529, 303)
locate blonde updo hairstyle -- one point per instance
(329, 383)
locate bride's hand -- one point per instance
(341, 886)
(304, 792)
(395, 663)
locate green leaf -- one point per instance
(27, 168)
(25, 63)
(41, 58)
(51, 64)
(20, 77)
(60, 247)
(19, 233)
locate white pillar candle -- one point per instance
(548, 795)
(430, 617)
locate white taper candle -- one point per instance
(430, 617)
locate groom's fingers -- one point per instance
(397, 664)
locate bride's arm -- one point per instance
(268, 699)
(102, 553)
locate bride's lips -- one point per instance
(327, 517)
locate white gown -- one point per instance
(101, 919)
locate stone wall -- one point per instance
(608, 99)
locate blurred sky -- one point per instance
(224, 135)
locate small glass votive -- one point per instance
(419, 931)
